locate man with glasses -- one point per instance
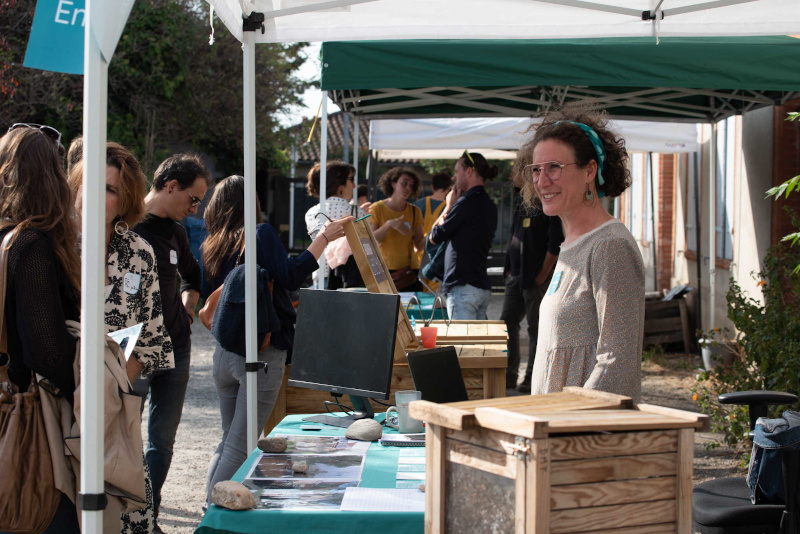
(179, 184)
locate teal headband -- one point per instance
(598, 148)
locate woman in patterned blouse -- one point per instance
(592, 317)
(132, 291)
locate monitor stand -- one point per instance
(362, 409)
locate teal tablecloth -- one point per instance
(380, 470)
(426, 304)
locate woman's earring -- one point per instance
(121, 228)
(588, 195)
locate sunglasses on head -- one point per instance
(467, 156)
(49, 131)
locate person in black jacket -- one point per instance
(43, 275)
(533, 246)
(179, 184)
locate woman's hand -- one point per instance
(333, 230)
(400, 225)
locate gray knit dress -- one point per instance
(591, 321)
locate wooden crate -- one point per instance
(571, 462)
(667, 321)
(483, 367)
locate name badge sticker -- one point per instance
(554, 283)
(131, 283)
(173, 257)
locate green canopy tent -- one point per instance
(676, 79)
(701, 79)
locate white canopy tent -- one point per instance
(329, 20)
(500, 138)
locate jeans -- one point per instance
(468, 303)
(231, 382)
(167, 391)
(519, 302)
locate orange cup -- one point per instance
(428, 334)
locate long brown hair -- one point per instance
(224, 218)
(133, 184)
(34, 194)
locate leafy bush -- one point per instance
(768, 336)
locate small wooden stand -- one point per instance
(575, 461)
(377, 279)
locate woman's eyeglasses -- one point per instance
(49, 131)
(551, 169)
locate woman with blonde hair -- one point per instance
(43, 278)
(132, 291)
(591, 322)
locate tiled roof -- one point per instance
(308, 153)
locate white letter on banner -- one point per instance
(59, 11)
(82, 13)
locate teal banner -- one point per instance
(56, 41)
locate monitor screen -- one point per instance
(344, 342)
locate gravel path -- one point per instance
(666, 382)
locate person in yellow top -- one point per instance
(431, 208)
(433, 205)
(397, 226)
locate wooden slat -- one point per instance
(621, 444)
(538, 488)
(606, 421)
(611, 398)
(608, 493)
(434, 480)
(441, 415)
(700, 421)
(616, 468)
(684, 482)
(495, 441)
(497, 463)
(661, 528)
(611, 517)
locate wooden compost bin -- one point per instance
(570, 462)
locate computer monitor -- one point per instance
(344, 344)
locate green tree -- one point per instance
(168, 88)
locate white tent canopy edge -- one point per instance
(442, 138)
(308, 20)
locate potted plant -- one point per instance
(716, 349)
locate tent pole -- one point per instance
(95, 108)
(293, 175)
(251, 290)
(653, 220)
(323, 179)
(698, 239)
(355, 153)
(712, 226)
(346, 137)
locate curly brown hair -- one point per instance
(336, 174)
(390, 177)
(555, 125)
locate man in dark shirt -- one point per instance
(532, 253)
(179, 184)
(467, 224)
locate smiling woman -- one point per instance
(592, 316)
